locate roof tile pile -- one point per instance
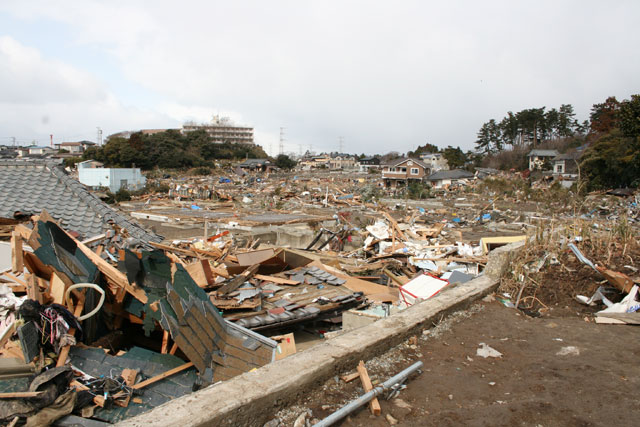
(31, 186)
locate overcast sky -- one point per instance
(382, 75)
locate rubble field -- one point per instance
(103, 319)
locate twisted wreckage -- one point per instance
(102, 320)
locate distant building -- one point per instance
(113, 178)
(257, 165)
(537, 158)
(74, 147)
(221, 129)
(315, 162)
(400, 171)
(449, 177)
(565, 168)
(367, 163)
(435, 161)
(342, 162)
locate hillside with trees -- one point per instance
(613, 157)
(170, 149)
(612, 137)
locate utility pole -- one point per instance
(281, 140)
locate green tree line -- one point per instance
(529, 126)
(170, 149)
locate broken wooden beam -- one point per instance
(17, 260)
(374, 405)
(238, 280)
(162, 376)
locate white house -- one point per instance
(537, 158)
(435, 161)
(35, 150)
(113, 178)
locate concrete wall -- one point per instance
(250, 398)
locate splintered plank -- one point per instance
(374, 405)
(116, 276)
(64, 353)
(57, 289)
(162, 376)
(20, 394)
(277, 280)
(395, 226)
(129, 376)
(350, 377)
(24, 231)
(238, 280)
(33, 290)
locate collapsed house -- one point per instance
(113, 320)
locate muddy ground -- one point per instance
(555, 370)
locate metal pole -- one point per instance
(365, 398)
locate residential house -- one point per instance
(257, 165)
(435, 161)
(538, 158)
(565, 168)
(446, 178)
(367, 163)
(400, 171)
(315, 162)
(113, 178)
(34, 150)
(74, 147)
(342, 162)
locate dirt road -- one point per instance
(557, 370)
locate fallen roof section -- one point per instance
(250, 397)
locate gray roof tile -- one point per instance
(36, 185)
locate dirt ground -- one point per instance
(555, 370)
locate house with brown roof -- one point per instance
(401, 171)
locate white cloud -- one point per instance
(379, 74)
(40, 96)
(27, 78)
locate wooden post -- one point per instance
(165, 342)
(64, 353)
(17, 261)
(33, 290)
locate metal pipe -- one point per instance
(365, 398)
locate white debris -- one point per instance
(486, 351)
(568, 351)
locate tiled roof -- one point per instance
(450, 174)
(396, 162)
(543, 153)
(32, 186)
